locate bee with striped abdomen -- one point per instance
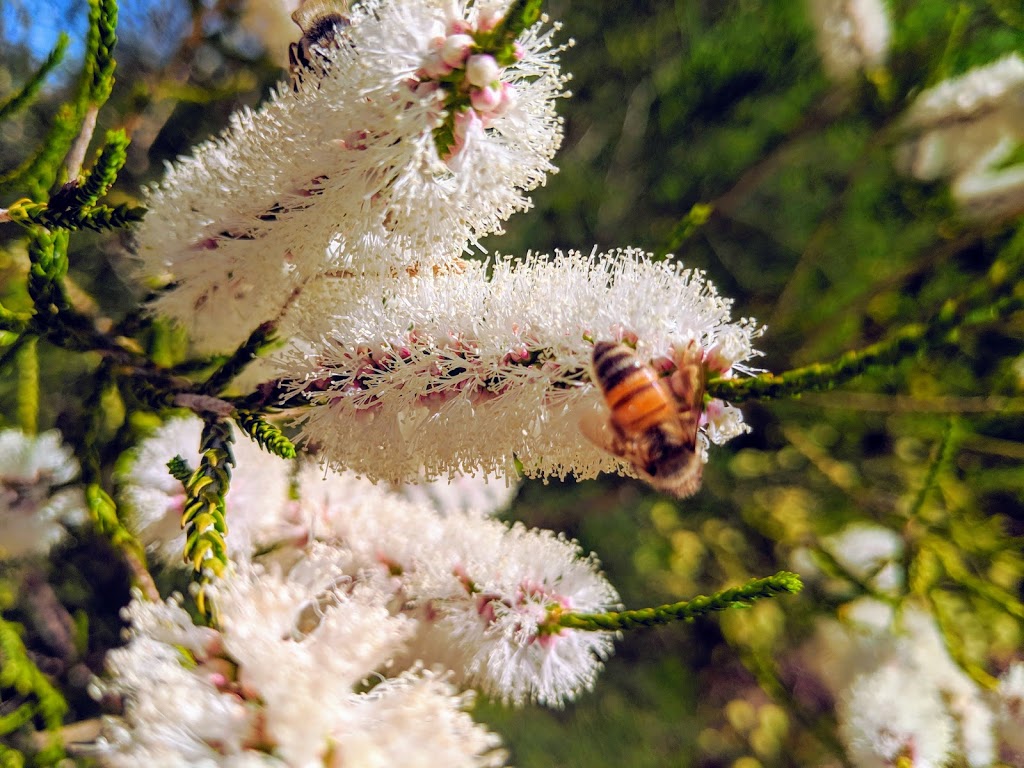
(320, 22)
(652, 421)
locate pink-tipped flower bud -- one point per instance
(433, 65)
(482, 70)
(465, 121)
(518, 51)
(488, 20)
(459, 27)
(485, 99)
(456, 49)
(508, 99)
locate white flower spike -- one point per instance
(417, 131)
(465, 373)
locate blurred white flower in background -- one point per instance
(36, 501)
(898, 691)
(853, 36)
(967, 129)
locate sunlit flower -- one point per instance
(387, 157)
(35, 503)
(486, 596)
(489, 608)
(465, 373)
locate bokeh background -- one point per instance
(814, 232)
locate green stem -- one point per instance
(28, 386)
(18, 672)
(818, 377)
(25, 96)
(234, 365)
(782, 582)
(940, 460)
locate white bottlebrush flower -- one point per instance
(853, 36)
(257, 502)
(277, 684)
(485, 595)
(386, 157)
(964, 129)
(867, 552)
(465, 373)
(885, 716)
(970, 95)
(34, 504)
(859, 657)
(489, 609)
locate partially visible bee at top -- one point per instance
(320, 21)
(652, 421)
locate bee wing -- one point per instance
(596, 426)
(687, 384)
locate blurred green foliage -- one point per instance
(811, 230)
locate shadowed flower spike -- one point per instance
(899, 692)
(417, 132)
(462, 373)
(965, 128)
(279, 683)
(34, 502)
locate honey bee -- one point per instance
(653, 421)
(320, 22)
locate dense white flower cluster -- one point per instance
(964, 129)
(466, 372)
(291, 677)
(485, 598)
(406, 141)
(35, 500)
(853, 36)
(263, 508)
